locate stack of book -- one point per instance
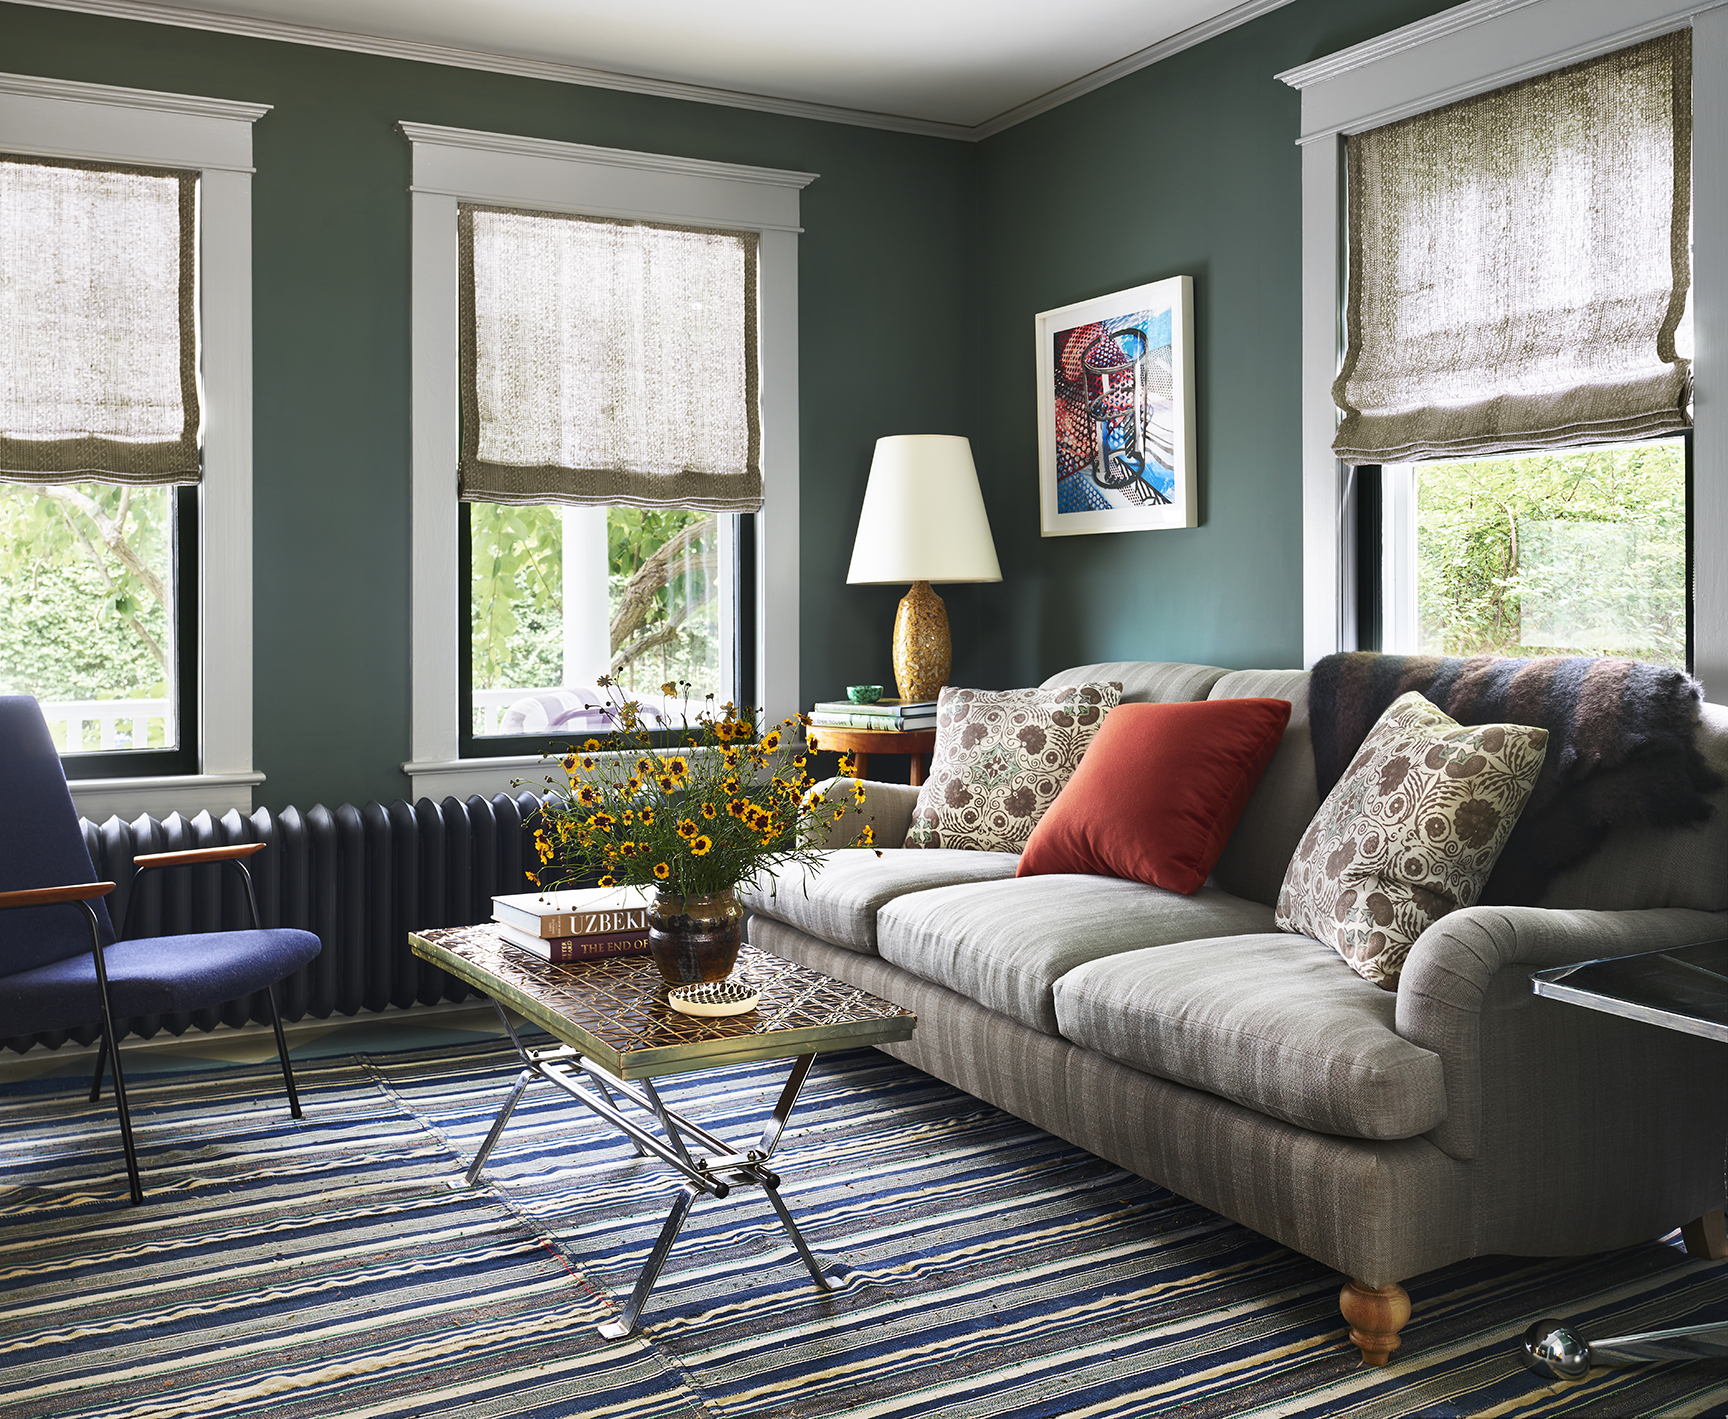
(884, 714)
(583, 924)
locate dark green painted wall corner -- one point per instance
(921, 266)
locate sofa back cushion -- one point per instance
(1642, 867)
(1285, 800)
(1155, 682)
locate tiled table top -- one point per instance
(615, 1011)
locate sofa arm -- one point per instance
(887, 809)
(1465, 994)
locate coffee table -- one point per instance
(617, 1034)
(1681, 988)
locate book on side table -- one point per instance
(580, 924)
(884, 714)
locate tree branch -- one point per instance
(653, 574)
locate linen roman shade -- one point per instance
(98, 323)
(607, 362)
(1519, 265)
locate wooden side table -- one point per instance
(862, 743)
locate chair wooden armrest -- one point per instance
(188, 856)
(46, 896)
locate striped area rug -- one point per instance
(980, 1267)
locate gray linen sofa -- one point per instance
(1253, 1071)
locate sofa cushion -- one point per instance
(1285, 799)
(1005, 944)
(1001, 758)
(1410, 832)
(1158, 792)
(838, 904)
(1276, 1023)
(1145, 681)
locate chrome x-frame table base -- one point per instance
(709, 1165)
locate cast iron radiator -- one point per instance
(361, 878)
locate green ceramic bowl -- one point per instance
(863, 694)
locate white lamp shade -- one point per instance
(923, 517)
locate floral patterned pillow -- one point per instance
(1001, 758)
(1410, 832)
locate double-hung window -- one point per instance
(99, 425)
(1515, 385)
(605, 443)
(126, 437)
(610, 458)
(1507, 242)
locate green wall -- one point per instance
(879, 311)
(922, 264)
(1188, 167)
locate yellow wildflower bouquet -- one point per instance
(721, 809)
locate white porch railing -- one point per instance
(70, 717)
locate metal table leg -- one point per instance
(1553, 1349)
(708, 1164)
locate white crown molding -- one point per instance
(1459, 17)
(250, 27)
(1463, 17)
(607, 157)
(30, 86)
(1129, 64)
(523, 68)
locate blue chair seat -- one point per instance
(159, 975)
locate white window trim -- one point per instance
(454, 165)
(1467, 50)
(59, 119)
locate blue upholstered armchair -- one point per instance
(60, 964)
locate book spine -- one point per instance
(562, 950)
(822, 720)
(565, 949)
(554, 924)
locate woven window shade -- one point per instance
(98, 323)
(607, 362)
(1519, 265)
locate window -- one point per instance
(163, 498)
(99, 419)
(559, 595)
(610, 368)
(1552, 390)
(469, 482)
(1519, 271)
(1578, 551)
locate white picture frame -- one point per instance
(1116, 411)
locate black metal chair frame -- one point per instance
(110, 1039)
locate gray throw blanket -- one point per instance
(1620, 749)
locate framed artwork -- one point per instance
(1116, 411)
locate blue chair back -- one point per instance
(41, 844)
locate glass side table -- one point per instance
(1683, 988)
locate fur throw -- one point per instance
(1620, 744)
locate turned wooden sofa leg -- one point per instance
(1706, 1237)
(1376, 1315)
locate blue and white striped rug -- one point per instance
(980, 1267)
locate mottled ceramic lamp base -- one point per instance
(923, 654)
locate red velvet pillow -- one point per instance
(1159, 792)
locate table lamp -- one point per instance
(923, 521)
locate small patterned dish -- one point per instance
(714, 998)
(864, 694)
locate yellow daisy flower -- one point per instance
(700, 844)
(591, 745)
(686, 828)
(662, 871)
(770, 741)
(708, 810)
(608, 881)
